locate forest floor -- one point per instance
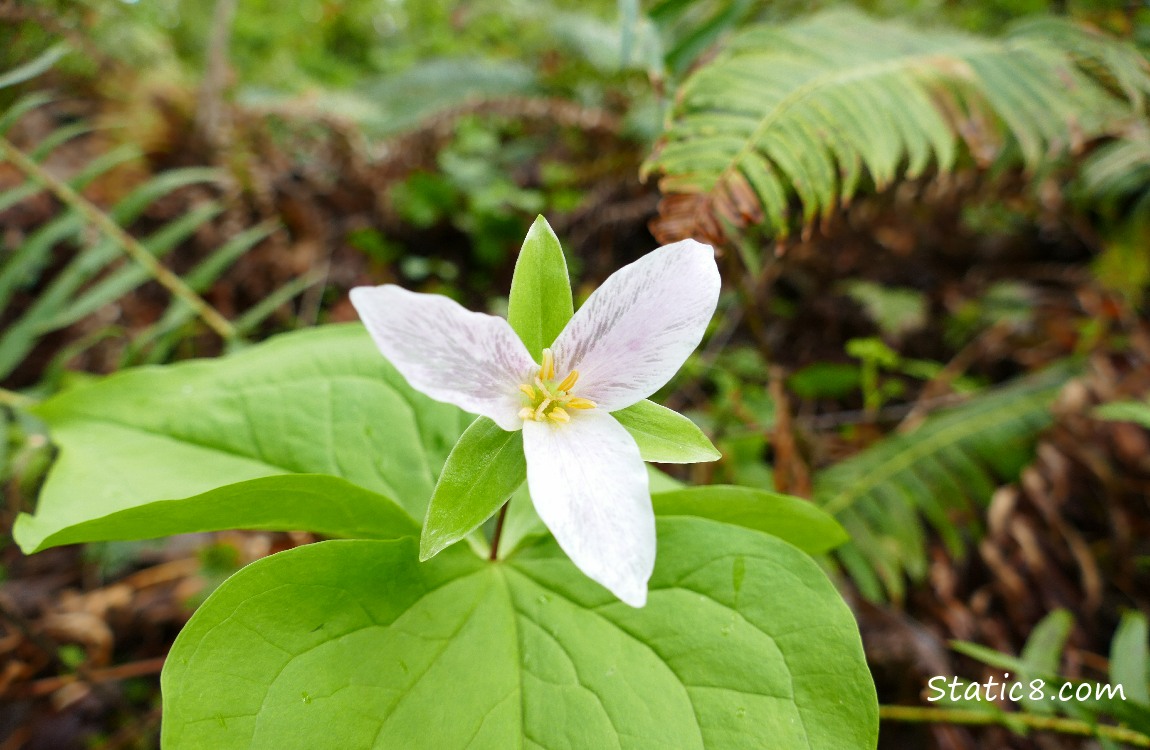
(84, 630)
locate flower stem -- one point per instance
(498, 531)
(924, 714)
(15, 400)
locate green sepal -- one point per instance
(791, 519)
(482, 471)
(665, 436)
(540, 302)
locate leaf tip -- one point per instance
(28, 539)
(837, 537)
(541, 225)
(430, 545)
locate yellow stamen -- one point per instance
(569, 381)
(548, 400)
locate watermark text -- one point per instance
(942, 687)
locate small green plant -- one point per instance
(354, 642)
(876, 358)
(476, 188)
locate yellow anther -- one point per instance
(569, 381)
(548, 401)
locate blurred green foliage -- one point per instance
(343, 43)
(476, 189)
(339, 43)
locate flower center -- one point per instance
(548, 398)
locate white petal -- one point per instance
(589, 486)
(469, 359)
(636, 330)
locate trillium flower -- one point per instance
(584, 471)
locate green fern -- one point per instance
(819, 107)
(690, 27)
(29, 70)
(944, 471)
(1137, 412)
(1043, 653)
(1118, 174)
(96, 272)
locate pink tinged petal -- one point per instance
(634, 332)
(469, 359)
(589, 486)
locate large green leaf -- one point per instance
(353, 644)
(321, 401)
(316, 502)
(793, 519)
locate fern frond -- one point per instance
(1118, 174)
(154, 344)
(107, 263)
(943, 472)
(1129, 671)
(34, 67)
(813, 110)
